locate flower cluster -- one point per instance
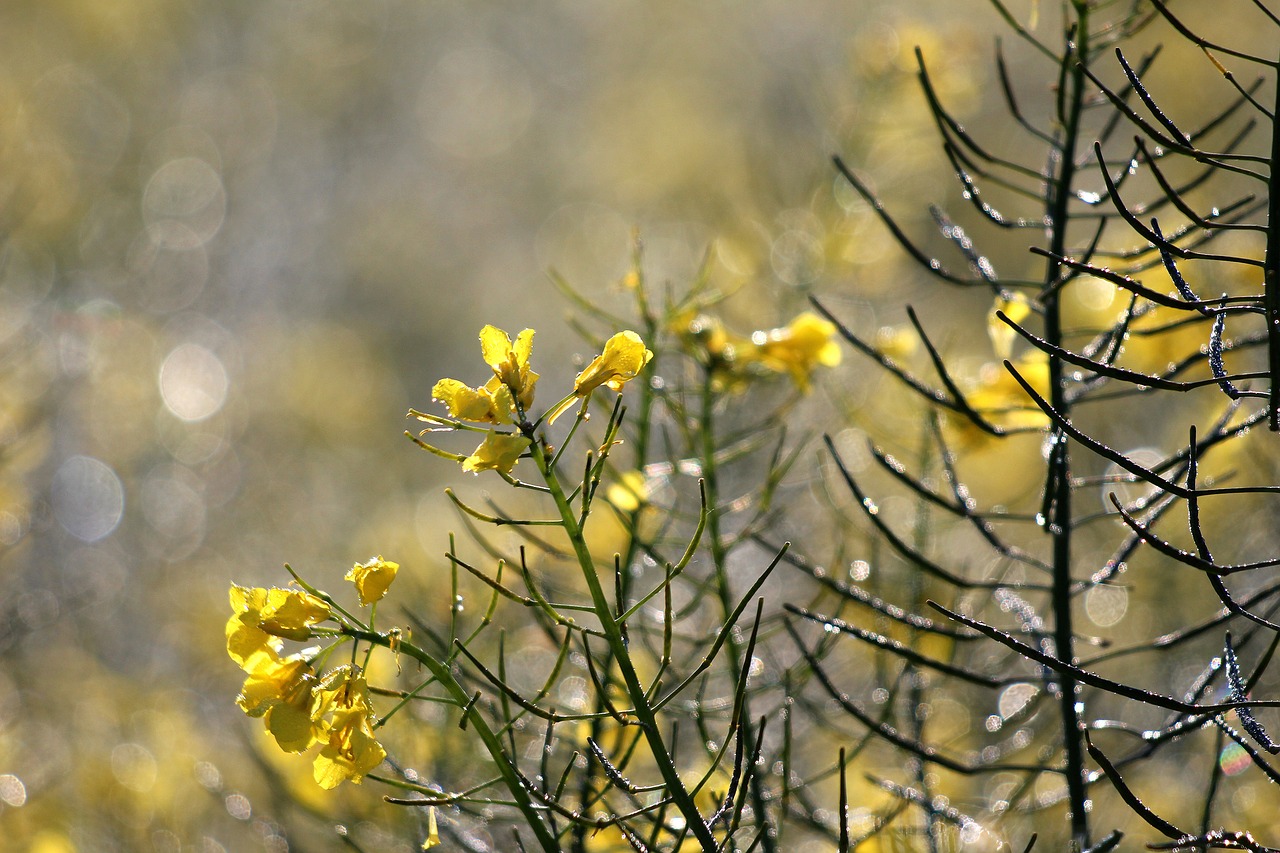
(300, 707)
(504, 399)
(795, 350)
(507, 397)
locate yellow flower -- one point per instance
(498, 452)
(261, 616)
(799, 347)
(1000, 398)
(372, 578)
(630, 492)
(1002, 334)
(344, 711)
(624, 356)
(352, 751)
(898, 343)
(342, 687)
(280, 689)
(729, 356)
(491, 403)
(708, 338)
(512, 383)
(510, 362)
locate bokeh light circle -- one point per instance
(1106, 605)
(186, 191)
(88, 498)
(193, 382)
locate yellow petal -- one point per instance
(624, 356)
(897, 342)
(799, 347)
(290, 724)
(467, 403)
(261, 684)
(1003, 401)
(290, 613)
(372, 578)
(246, 599)
(498, 452)
(503, 402)
(352, 751)
(1002, 334)
(495, 346)
(630, 492)
(523, 347)
(245, 639)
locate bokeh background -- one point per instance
(240, 238)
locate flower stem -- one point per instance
(676, 790)
(506, 766)
(724, 591)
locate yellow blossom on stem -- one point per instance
(372, 578)
(624, 356)
(729, 356)
(280, 689)
(510, 361)
(707, 336)
(343, 709)
(898, 343)
(351, 752)
(510, 388)
(260, 616)
(799, 347)
(498, 452)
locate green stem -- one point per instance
(724, 591)
(640, 443)
(676, 790)
(505, 764)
